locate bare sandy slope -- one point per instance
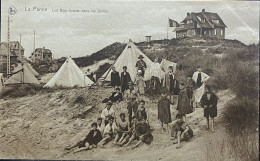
(40, 126)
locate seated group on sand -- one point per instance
(134, 125)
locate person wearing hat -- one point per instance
(140, 84)
(141, 65)
(125, 78)
(107, 112)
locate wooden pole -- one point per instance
(9, 48)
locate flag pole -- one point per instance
(167, 27)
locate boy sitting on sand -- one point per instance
(109, 131)
(142, 133)
(181, 131)
(91, 141)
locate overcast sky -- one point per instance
(78, 34)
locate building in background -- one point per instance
(41, 54)
(202, 24)
(15, 47)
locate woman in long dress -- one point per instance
(164, 111)
(183, 105)
(140, 84)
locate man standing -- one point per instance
(200, 78)
(115, 78)
(125, 78)
(141, 65)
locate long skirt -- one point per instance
(197, 93)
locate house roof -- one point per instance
(43, 50)
(208, 16)
(13, 45)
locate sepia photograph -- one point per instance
(129, 80)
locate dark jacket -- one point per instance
(115, 79)
(93, 139)
(124, 81)
(114, 98)
(212, 101)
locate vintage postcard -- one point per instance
(129, 80)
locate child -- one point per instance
(164, 111)
(132, 107)
(107, 112)
(122, 128)
(91, 141)
(181, 131)
(130, 132)
(142, 133)
(209, 103)
(183, 105)
(140, 84)
(100, 126)
(109, 131)
(141, 114)
(190, 87)
(116, 96)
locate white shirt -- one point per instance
(106, 113)
(108, 128)
(204, 76)
(101, 128)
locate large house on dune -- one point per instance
(202, 24)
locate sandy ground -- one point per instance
(40, 126)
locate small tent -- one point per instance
(29, 66)
(166, 63)
(22, 74)
(128, 58)
(69, 75)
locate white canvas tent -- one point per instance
(69, 75)
(166, 63)
(128, 58)
(29, 66)
(22, 75)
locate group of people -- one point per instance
(122, 131)
(125, 81)
(134, 124)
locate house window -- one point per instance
(194, 32)
(178, 34)
(215, 32)
(205, 32)
(215, 21)
(221, 32)
(182, 26)
(203, 20)
(189, 21)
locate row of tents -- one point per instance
(70, 75)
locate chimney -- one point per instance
(148, 38)
(43, 47)
(203, 10)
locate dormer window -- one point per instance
(189, 21)
(203, 20)
(182, 26)
(215, 21)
